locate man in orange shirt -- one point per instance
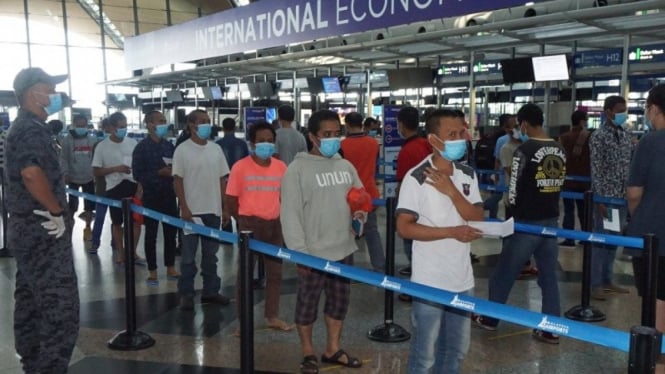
(253, 199)
(362, 151)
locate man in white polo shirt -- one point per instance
(437, 199)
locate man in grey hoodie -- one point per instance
(75, 162)
(316, 220)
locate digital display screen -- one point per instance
(550, 68)
(517, 70)
(331, 85)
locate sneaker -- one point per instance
(480, 322)
(186, 303)
(152, 278)
(172, 273)
(613, 288)
(567, 243)
(405, 270)
(215, 299)
(545, 337)
(597, 293)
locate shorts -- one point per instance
(640, 277)
(125, 189)
(337, 289)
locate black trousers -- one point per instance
(165, 203)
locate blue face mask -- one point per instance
(80, 131)
(203, 130)
(121, 133)
(161, 130)
(372, 133)
(55, 104)
(329, 146)
(453, 149)
(620, 119)
(264, 150)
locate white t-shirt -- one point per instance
(109, 153)
(444, 263)
(201, 167)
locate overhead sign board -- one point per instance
(453, 70)
(487, 67)
(647, 54)
(266, 24)
(605, 57)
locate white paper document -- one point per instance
(197, 220)
(127, 160)
(495, 229)
(612, 222)
(167, 160)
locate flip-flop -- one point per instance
(280, 325)
(309, 365)
(351, 362)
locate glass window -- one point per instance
(52, 59)
(45, 22)
(17, 60)
(87, 76)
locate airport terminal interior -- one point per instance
(484, 58)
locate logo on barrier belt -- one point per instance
(332, 269)
(214, 233)
(188, 227)
(166, 219)
(558, 328)
(390, 284)
(468, 305)
(282, 254)
(549, 232)
(596, 239)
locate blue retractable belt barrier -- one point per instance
(577, 178)
(563, 194)
(593, 334)
(618, 240)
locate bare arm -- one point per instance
(39, 187)
(634, 197)
(185, 213)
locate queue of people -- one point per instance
(308, 203)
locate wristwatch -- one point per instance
(59, 214)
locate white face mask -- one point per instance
(516, 133)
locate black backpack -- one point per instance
(484, 152)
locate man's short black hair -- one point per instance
(56, 126)
(578, 116)
(257, 126)
(432, 122)
(532, 114)
(116, 118)
(191, 117)
(657, 97)
(314, 123)
(612, 101)
(286, 113)
(80, 117)
(228, 124)
(504, 119)
(353, 119)
(409, 117)
(369, 121)
(149, 117)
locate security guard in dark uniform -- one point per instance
(46, 315)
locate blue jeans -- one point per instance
(518, 249)
(408, 248)
(211, 281)
(376, 254)
(440, 337)
(98, 226)
(603, 255)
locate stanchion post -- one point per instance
(389, 331)
(586, 312)
(130, 339)
(246, 304)
(4, 251)
(650, 287)
(645, 344)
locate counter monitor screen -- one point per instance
(331, 85)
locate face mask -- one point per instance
(453, 149)
(329, 146)
(372, 133)
(647, 123)
(620, 119)
(264, 150)
(203, 130)
(55, 103)
(516, 134)
(523, 136)
(121, 133)
(160, 130)
(80, 131)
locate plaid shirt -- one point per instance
(611, 150)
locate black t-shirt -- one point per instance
(537, 175)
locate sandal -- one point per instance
(278, 324)
(309, 365)
(351, 362)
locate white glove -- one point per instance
(55, 225)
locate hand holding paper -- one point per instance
(495, 229)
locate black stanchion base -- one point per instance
(388, 333)
(5, 252)
(585, 314)
(124, 341)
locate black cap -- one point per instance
(27, 78)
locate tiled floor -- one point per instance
(202, 341)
